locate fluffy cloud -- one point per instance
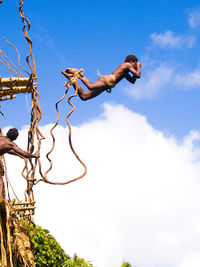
(169, 39)
(194, 18)
(162, 78)
(189, 80)
(193, 259)
(139, 200)
(151, 83)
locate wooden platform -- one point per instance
(24, 208)
(11, 86)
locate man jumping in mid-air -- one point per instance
(107, 82)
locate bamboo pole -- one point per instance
(15, 85)
(23, 203)
(7, 97)
(14, 90)
(24, 208)
(13, 81)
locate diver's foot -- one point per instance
(70, 77)
(71, 70)
(67, 75)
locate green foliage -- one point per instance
(48, 252)
(77, 262)
(126, 264)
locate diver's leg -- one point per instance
(99, 84)
(99, 87)
(89, 94)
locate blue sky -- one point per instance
(97, 36)
(140, 143)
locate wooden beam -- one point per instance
(24, 203)
(24, 208)
(7, 97)
(13, 81)
(14, 90)
(15, 85)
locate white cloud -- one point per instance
(193, 260)
(194, 18)
(169, 39)
(151, 83)
(139, 200)
(188, 80)
(162, 78)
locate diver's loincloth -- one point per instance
(110, 81)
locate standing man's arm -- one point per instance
(15, 150)
(12, 152)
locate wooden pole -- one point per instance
(14, 90)
(13, 81)
(15, 85)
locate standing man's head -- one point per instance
(132, 59)
(12, 134)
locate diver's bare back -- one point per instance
(121, 71)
